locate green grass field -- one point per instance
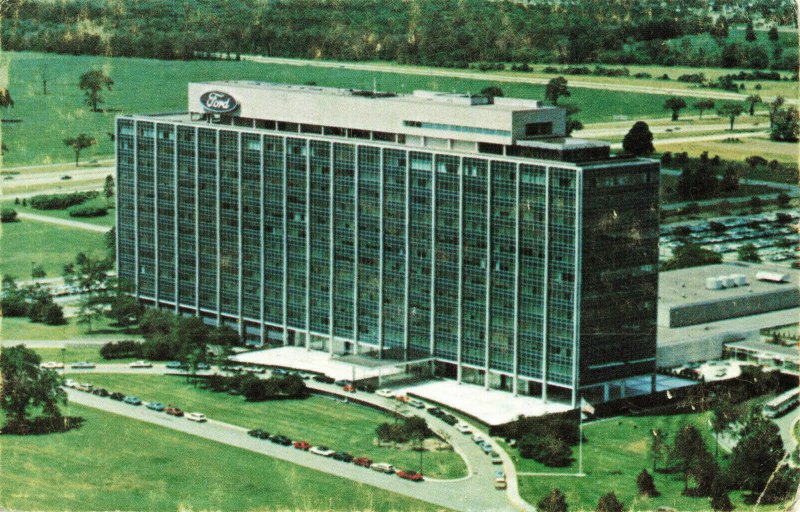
(107, 220)
(24, 329)
(115, 463)
(74, 353)
(670, 183)
(615, 451)
(145, 86)
(319, 420)
(747, 146)
(28, 242)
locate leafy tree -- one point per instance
(703, 105)
(782, 200)
(731, 111)
(646, 484)
(752, 100)
(697, 182)
(782, 485)
(54, 314)
(687, 451)
(772, 35)
(111, 243)
(156, 322)
(704, 471)
(225, 336)
(572, 123)
(125, 310)
(37, 272)
(785, 126)
(720, 28)
(750, 34)
(774, 106)
(555, 501)
(493, 91)
(659, 448)
(610, 503)
(675, 104)
(548, 449)
(724, 414)
(108, 187)
(756, 455)
(748, 252)
(27, 386)
(14, 300)
(91, 308)
(720, 502)
(92, 83)
(638, 141)
(39, 299)
(691, 255)
(556, 88)
(730, 180)
(80, 143)
(8, 215)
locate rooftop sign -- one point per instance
(218, 102)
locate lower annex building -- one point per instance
(465, 228)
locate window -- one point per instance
(536, 129)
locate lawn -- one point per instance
(116, 463)
(24, 329)
(783, 152)
(74, 353)
(107, 220)
(146, 85)
(26, 243)
(319, 420)
(669, 183)
(615, 451)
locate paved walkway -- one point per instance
(475, 492)
(64, 222)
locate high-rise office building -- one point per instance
(464, 228)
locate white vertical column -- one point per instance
(406, 253)
(136, 207)
(308, 245)
(356, 173)
(488, 295)
(432, 295)
(175, 203)
(240, 233)
(517, 210)
(331, 199)
(576, 305)
(219, 235)
(116, 196)
(381, 196)
(197, 220)
(156, 245)
(285, 307)
(459, 327)
(262, 245)
(545, 290)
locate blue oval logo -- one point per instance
(218, 102)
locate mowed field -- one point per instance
(23, 329)
(615, 452)
(116, 463)
(319, 420)
(150, 86)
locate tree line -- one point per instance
(430, 32)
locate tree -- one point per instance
(748, 252)
(37, 272)
(756, 455)
(638, 141)
(80, 143)
(703, 105)
(547, 449)
(782, 484)
(675, 104)
(92, 83)
(773, 33)
(53, 314)
(731, 111)
(108, 187)
(750, 34)
(724, 413)
(659, 448)
(610, 503)
(5, 98)
(785, 125)
(91, 307)
(687, 451)
(26, 385)
(125, 310)
(8, 215)
(720, 502)
(774, 106)
(752, 100)
(730, 180)
(720, 28)
(691, 255)
(556, 88)
(555, 501)
(572, 123)
(493, 91)
(646, 485)
(783, 200)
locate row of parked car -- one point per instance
(324, 451)
(135, 400)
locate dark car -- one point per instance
(117, 396)
(324, 379)
(366, 388)
(100, 392)
(362, 461)
(435, 411)
(155, 406)
(449, 419)
(177, 365)
(343, 382)
(342, 456)
(281, 440)
(258, 433)
(410, 475)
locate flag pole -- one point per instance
(580, 442)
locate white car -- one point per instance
(385, 393)
(463, 428)
(416, 404)
(322, 450)
(478, 439)
(52, 365)
(383, 467)
(82, 365)
(70, 383)
(140, 364)
(196, 416)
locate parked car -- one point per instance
(410, 475)
(140, 364)
(155, 406)
(463, 428)
(449, 419)
(196, 416)
(435, 411)
(487, 448)
(84, 386)
(385, 393)
(322, 450)
(177, 365)
(343, 382)
(82, 365)
(495, 457)
(342, 456)
(100, 392)
(132, 400)
(302, 445)
(383, 467)
(258, 433)
(478, 439)
(323, 378)
(281, 440)
(402, 398)
(366, 388)
(117, 396)
(173, 411)
(203, 366)
(52, 365)
(362, 461)
(254, 369)
(416, 404)
(66, 177)
(70, 383)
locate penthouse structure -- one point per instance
(464, 229)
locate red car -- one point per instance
(173, 411)
(302, 445)
(410, 475)
(362, 461)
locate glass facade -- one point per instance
(545, 271)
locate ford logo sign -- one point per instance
(218, 102)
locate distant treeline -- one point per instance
(431, 32)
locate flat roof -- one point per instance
(688, 285)
(770, 349)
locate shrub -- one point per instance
(646, 484)
(121, 349)
(87, 210)
(8, 215)
(61, 201)
(53, 314)
(549, 450)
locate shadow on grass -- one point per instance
(42, 425)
